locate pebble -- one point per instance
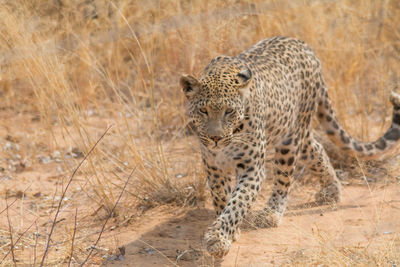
(44, 159)
(10, 146)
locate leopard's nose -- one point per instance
(216, 138)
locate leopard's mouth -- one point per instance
(215, 146)
(221, 143)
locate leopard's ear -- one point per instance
(244, 77)
(190, 85)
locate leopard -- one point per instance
(265, 99)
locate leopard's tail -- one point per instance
(336, 133)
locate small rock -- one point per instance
(76, 153)
(10, 146)
(149, 251)
(5, 178)
(44, 159)
(180, 175)
(56, 154)
(113, 257)
(119, 256)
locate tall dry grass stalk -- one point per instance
(78, 66)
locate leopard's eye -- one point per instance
(228, 111)
(203, 111)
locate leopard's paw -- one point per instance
(217, 244)
(329, 194)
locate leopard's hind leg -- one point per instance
(314, 157)
(285, 162)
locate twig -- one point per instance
(16, 242)
(7, 206)
(12, 203)
(53, 200)
(73, 238)
(64, 192)
(11, 237)
(36, 242)
(108, 217)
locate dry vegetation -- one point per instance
(71, 69)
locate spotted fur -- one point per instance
(266, 98)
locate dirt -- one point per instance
(368, 217)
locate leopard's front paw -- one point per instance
(329, 194)
(217, 244)
(265, 218)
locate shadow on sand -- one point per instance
(179, 241)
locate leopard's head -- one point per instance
(217, 100)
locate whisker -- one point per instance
(241, 140)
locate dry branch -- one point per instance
(65, 191)
(16, 242)
(11, 237)
(73, 238)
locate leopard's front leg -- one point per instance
(250, 174)
(218, 180)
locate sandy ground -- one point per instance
(366, 218)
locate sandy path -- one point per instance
(365, 219)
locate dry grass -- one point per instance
(70, 69)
